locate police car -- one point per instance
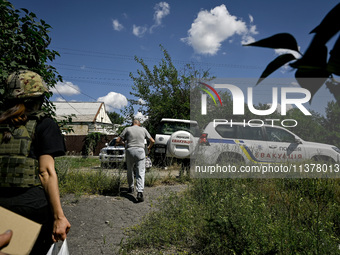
(238, 142)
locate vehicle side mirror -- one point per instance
(106, 144)
(298, 141)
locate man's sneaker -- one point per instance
(131, 190)
(140, 197)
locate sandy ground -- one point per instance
(98, 222)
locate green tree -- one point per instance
(332, 124)
(314, 68)
(24, 42)
(115, 118)
(163, 92)
(309, 127)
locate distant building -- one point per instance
(87, 117)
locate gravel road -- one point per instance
(98, 222)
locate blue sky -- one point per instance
(98, 40)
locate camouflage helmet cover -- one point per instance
(25, 84)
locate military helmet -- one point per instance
(25, 84)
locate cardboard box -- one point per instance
(25, 232)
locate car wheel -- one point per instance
(324, 159)
(103, 165)
(230, 159)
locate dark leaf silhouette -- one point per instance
(314, 58)
(334, 60)
(329, 26)
(312, 67)
(276, 64)
(312, 84)
(278, 41)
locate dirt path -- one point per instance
(98, 222)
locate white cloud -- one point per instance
(116, 25)
(285, 51)
(141, 117)
(295, 84)
(251, 18)
(66, 89)
(141, 101)
(213, 27)
(59, 99)
(113, 100)
(286, 67)
(162, 9)
(139, 31)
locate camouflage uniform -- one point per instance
(17, 169)
(20, 186)
(25, 84)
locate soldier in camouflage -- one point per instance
(29, 141)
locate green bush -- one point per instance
(246, 216)
(74, 179)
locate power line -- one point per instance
(91, 71)
(94, 68)
(108, 55)
(66, 101)
(96, 78)
(80, 92)
(102, 83)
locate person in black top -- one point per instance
(40, 203)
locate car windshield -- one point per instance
(113, 143)
(167, 128)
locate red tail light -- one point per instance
(204, 139)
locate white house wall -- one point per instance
(102, 116)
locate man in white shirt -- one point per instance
(134, 138)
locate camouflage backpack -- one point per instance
(17, 169)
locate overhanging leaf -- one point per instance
(278, 41)
(276, 64)
(329, 26)
(334, 60)
(315, 56)
(311, 79)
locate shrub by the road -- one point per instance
(245, 216)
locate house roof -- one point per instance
(83, 111)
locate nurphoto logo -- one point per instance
(238, 99)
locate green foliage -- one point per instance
(91, 141)
(64, 124)
(74, 163)
(332, 124)
(246, 216)
(313, 68)
(163, 92)
(176, 224)
(24, 42)
(115, 118)
(73, 178)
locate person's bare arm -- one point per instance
(49, 181)
(152, 141)
(118, 140)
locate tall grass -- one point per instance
(246, 216)
(73, 179)
(80, 175)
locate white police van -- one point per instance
(238, 142)
(176, 138)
